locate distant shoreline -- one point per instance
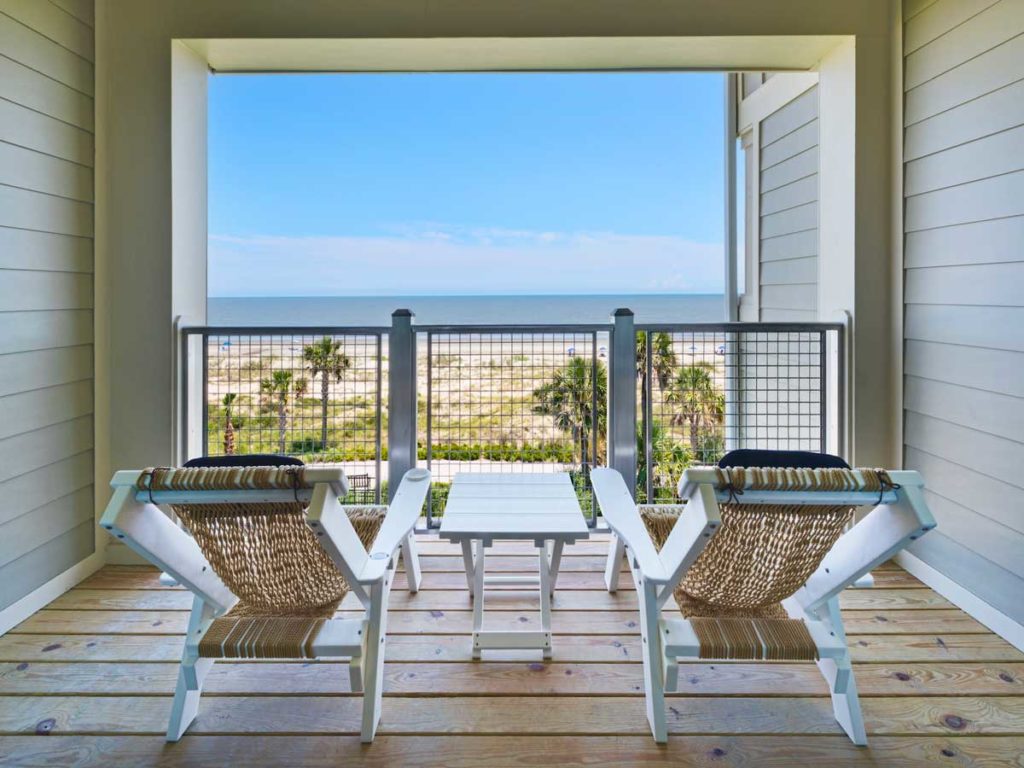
(483, 310)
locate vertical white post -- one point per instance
(654, 674)
(546, 587)
(467, 561)
(373, 654)
(412, 563)
(616, 551)
(192, 672)
(478, 595)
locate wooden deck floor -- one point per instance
(88, 681)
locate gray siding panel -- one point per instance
(46, 291)
(787, 185)
(964, 273)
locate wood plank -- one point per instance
(978, 284)
(23, 371)
(523, 677)
(429, 544)
(991, 198)
(789, 145)
(41, 486)
(35, 568)
(800, 166)
(27, 452)
(796, 114)
(46, 213)
(799, 297)
(995, 542)
(38, 92)
(794, 246)
(513, 563)
(965, 39)
(37, 527)
(436, 622)
(790, 271)
(83, 10)
(494, 715)
(937, 19)
(513, 751)
(54, 23)
(991, 156)
(34, 50)
(793, 220)
(34, 130)
(26, 249)
(987, 115)
(31, 290)
(791, 195)
(989, 412)
(986, 73)
(27, 331)
(988, 454)
(84, 599)
(452, 648)
(968, 326)
(27, 168)
(994, 370)
(40, 408)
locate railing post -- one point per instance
(401, 398)
(622, 398)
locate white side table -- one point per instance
(484, 508)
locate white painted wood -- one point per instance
(789, 196)
(616, 551)
(25, 371)
(977, 242)
(986, 115)
(40, 172)
(790, 272)
(51, 21)
(793, 246)
(990, 156)
(936, 19)
(33, 410)
(966, 366)
(26, 290)
(334, 531)
(32, 450)
(689, 536)
(42, 133)
(403, 512)
(46, 213)
(997, 543)
(620, 512)
(790, 297)
(410, 558)
(991, 198)
(797, 167)
(82, 10)
(785, 120)
(36, 91)
(791, 144)
(26, 249)
(988, 72)
(995, 414)
(988, 327)
(32, 490)
(977, 284)
(654, 673)
(29, 47)
(994, 456)
(44, 523)
(981, 32)
(50, 590)
(771, 96)
(797, 219)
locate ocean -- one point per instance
(468, 310)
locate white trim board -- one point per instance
(14, 614)
(771, 97)
(994, 619)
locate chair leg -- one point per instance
(186, 696)
(355, 674)
(412, 563)
(654, 674)
(616, 551)
(845, 701)
(373, 659)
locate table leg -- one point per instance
(556, 562)
(478, 596)
(546, 588)
(467, 561)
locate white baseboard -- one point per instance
(993, 618)
(14, 614)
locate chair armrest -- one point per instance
(401, 517)
(883, 532)
(151, 534)
(622, 516)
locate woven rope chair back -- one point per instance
(763, 553)
(262, 551)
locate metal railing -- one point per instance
(648, 400)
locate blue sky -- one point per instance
(383, 184)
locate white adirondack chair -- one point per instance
(756, 560)
(280, 603)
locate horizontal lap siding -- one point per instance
(964, 288)
(46, 290)
(788, 209)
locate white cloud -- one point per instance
(442, 260)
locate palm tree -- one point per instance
(663, 363)
(702, 405)
(326, 360)
(569, 399)
(277, 388)
(229, 427)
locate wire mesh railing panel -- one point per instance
(314, 396)
(531, 401)
(701, 393)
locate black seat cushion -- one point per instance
(747, 457)
(245, 460)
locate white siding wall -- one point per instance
(964, 287)
(46, 290)
(788, 188)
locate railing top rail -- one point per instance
(457, 328)
(742, 327)
(281, 330)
